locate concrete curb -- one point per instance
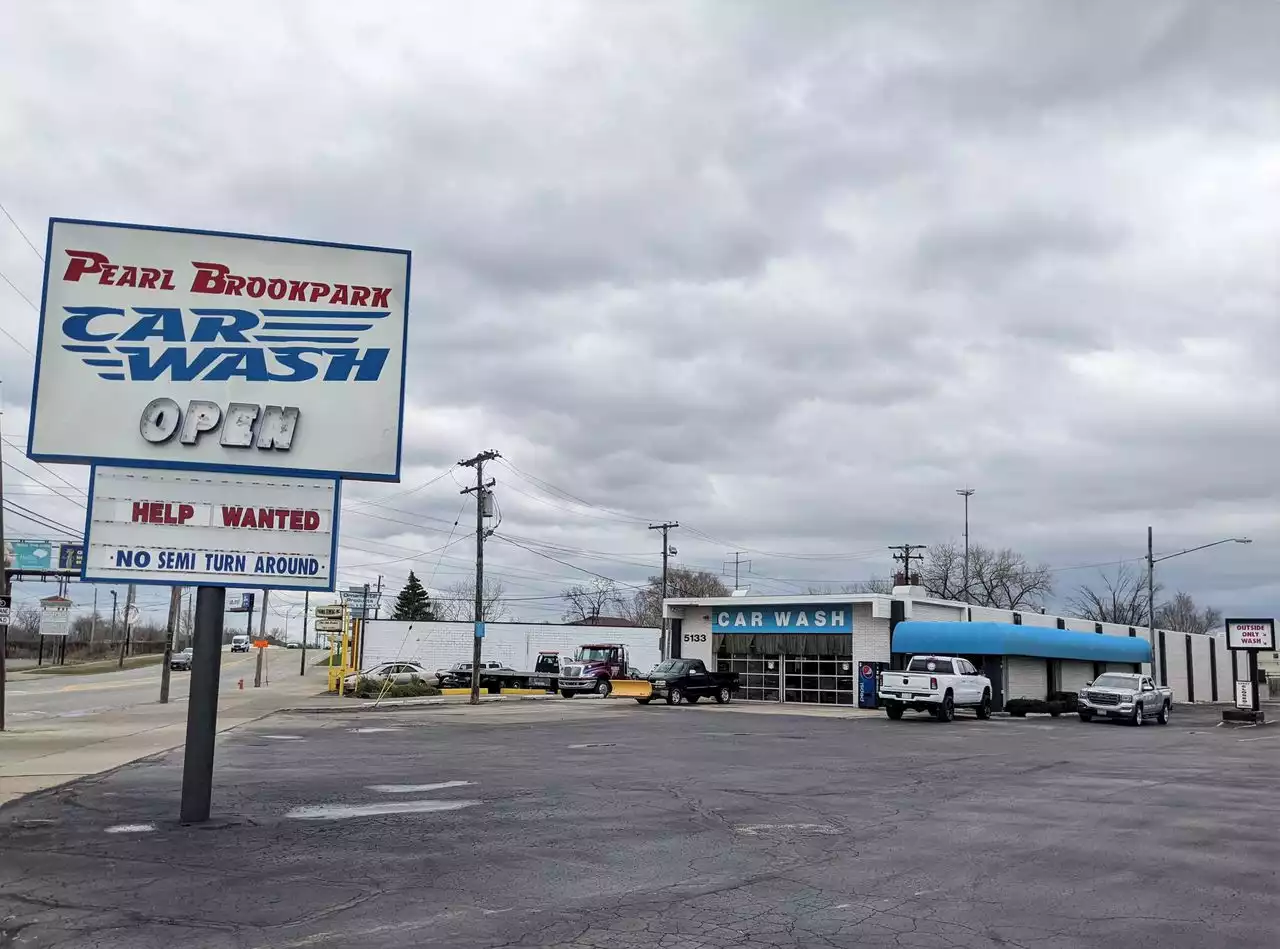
(398, 704)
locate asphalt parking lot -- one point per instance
(594, 824)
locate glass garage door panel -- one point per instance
(821, 680)
(758, 676)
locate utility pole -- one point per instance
(128, 622)
(115, 602)
(1151, 609)
(905, 557)
(262, 616)
(481, 491)
(737, 562)
(377, 598)
(663, 644)
(4, 594)
(187, 625)
(175, 610)
(364, 618)
(966, 493)
(306, 615)
(93, 620)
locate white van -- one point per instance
(240, 643)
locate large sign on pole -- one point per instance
(163, 347)
(149, 525)
(1251, 634)
(43, 556)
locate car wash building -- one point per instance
(816, 648)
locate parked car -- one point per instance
(181, 660)
(398, 673)
(292, 645)
(458, 675)
(935, 684)
(1126, 695)
(687, 680)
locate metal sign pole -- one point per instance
(202, 705)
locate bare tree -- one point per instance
(458, 604)
(874, 585)
(645, 606)
(1002, 578)
(1182, 615)
(26, 624)
(1120, 597)
(585, 602)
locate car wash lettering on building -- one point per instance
(784, 619)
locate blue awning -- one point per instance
(1006, 639)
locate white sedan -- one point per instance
(397, 673)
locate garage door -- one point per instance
(1120, 667)
(1073, 675)
(1028, 678)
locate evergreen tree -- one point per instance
(413, 603)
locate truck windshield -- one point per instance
(936, 666)
(670, 665)
(1115, 682)
(594, 653)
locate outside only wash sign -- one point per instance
(783, 619)
(193, 349)
(209, 529)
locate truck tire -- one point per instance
(603, 688)
(723, 695)
(947, 710)
(1163, 716)
(893, 710)
(984, 707)
(1139, 718)
(565, 693)
(674, 695)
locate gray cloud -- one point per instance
(790, 275)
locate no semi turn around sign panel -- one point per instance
(211, 529)
(196, 349)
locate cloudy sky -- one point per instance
(789, 274)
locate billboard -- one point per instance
(179, 528)
(241, 604)
(44, 556)
(163, 347)
(1251, 634)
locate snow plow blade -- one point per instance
(632, 689)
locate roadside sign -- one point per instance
(165, 347)
(43, 556)
(1251, 633)
(244, 604)
(55, 616)
(329, 611)
(329, 625)
(1244, 694)
(6, 614)
(180, 528)
(261, 643)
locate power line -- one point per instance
(33, 247)
(21, 510)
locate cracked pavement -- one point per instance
(671, 827)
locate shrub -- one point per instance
(367, 688)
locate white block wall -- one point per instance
(1175, 663)
(937, 612)
(1226, 687)
(437, 645)
(870, 635)
(1200, 668)
(1039, 619)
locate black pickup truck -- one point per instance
(688, 680)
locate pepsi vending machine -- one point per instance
(868, 677)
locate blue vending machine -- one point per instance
(868, 673)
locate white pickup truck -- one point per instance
(935, 684)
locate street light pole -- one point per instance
(1152, 560)
(966, 493)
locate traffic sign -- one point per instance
(5, 612)
(331, 611)
(329, 625)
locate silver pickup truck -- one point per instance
(1135, 698)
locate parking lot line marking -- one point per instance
(131, 828)
(343, 811)
(415, 788)
(1259, 738)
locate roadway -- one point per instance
(33, 697)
